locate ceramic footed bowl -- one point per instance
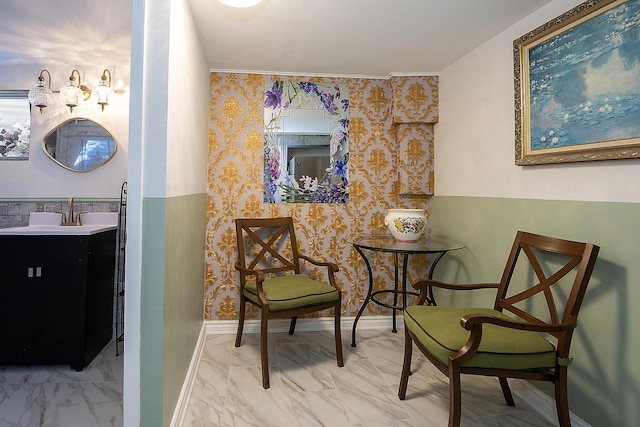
(406, 225)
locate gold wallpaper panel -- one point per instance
(415, 158)
(415, 99)
(235, 180)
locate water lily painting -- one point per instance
(578, 86)
(326, 145)
(15, 126)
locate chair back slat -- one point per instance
(268, 245)
(551, 262)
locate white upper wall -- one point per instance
(41, 178)
(150, 70)
(187, 130)
(175, 101)
(475, 138)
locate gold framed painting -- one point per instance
(577, 86)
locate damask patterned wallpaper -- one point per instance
(379, 170)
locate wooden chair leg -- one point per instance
(264, 349)
(338, 335)
(506, 391)
(562, 397)
(406, 365)
(455, 396)
(240, 321)
(292, 325)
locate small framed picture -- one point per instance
(15, 125)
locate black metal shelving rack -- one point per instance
(121, 244)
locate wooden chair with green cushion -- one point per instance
(507, 341)
(272, 279)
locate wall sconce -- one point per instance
(73, 93)
(41, 95)
(104, 89)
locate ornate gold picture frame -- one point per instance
(577, 86)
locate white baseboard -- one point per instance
(229, 327)
(538, 401)
(183, 400)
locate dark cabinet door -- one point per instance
(56, 306)
(56, 310)
(17, 293)
(100, 271)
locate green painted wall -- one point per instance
(604, 379)
(184, 292)
(151, 309)
(172, 300)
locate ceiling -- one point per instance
(46, 32)
(335, 37)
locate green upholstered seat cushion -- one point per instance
(439, 330)
(290, 292)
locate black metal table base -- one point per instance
(395, 291)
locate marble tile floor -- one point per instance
(309, 389)
(57, 396)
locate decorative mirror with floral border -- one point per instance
(329, 100)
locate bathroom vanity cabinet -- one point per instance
(56, 297)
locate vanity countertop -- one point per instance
(56, 230)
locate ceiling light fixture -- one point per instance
(104, 89)
(240, 3)
(41, 95)
(73, 92)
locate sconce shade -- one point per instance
(70, 95)
(240, 3)
(40, 95)
(103, 90)
(73, 92)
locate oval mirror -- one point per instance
(79, 145)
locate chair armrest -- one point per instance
(330, 265)
(259, 279)
(471, 321)
(250, 272)
(423, 286)
(474, 322)
(456, 287)
(332, 268)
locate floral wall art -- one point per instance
(15, 128)
(236, 182)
